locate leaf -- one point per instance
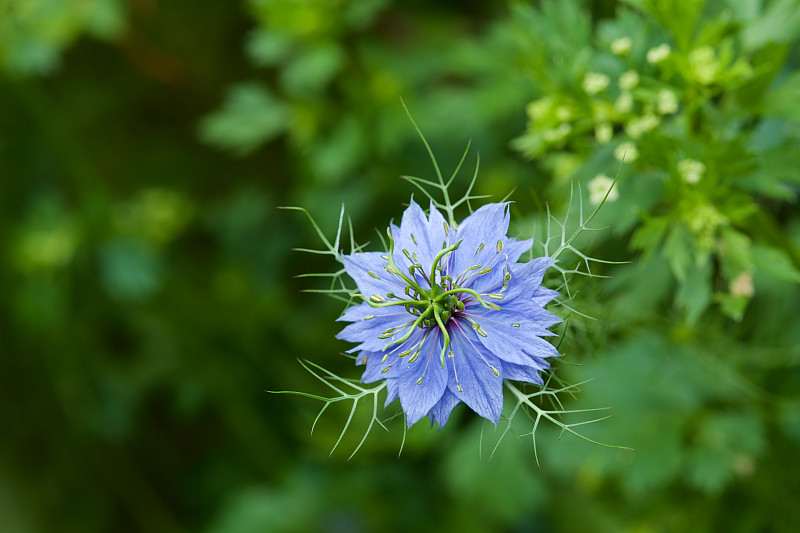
(779, 23)
(250, 116)
(677, 250)
(784, 100)
(774, 263)
(736, 252)
(649, 235)
(694, 294)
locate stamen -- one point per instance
(385, 370)
(419, 381)
(479, 249)
(378, 299)
(515, 325)
(412, 238)
(494, 370)
(499, 246)
(446, 228)
(369, 317)
(373, 274)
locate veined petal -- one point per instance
(440, 413)
(392, 391)
(369, 332)
(511, 343)
(528, 374)
(479, 234)
(423, 383)
(367, 270)
(526, 277)
(470, 368)
(419, 235)
(389, 364)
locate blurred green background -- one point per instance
(148, 297)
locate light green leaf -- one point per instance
(250, 116)
(774, 263)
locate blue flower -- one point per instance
(448, 313)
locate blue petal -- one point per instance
(469, 367)
(440, 413)
(525, 373)
(518, 345)
(392, 391)
(419, 235)
(527, 277)
(485, 227)
(359, 265)
(418, 397)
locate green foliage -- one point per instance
(34, 32)
(687, 89)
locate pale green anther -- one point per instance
(494, 370)
(474, 267)
(385, 357)
(507, 277)
(369, 317)
(412, 238)
(444, 245)
(414, 257)
(408, 255)
(385, 257)
(405, 353)
(481, 332)
(419, 381)
(377, 298)
(386, 335)
(451, 355)
(495, 296)
(499, 246)
(494, 307)
(516, 325)
(485, 270)
(459, 387)
(385, 370)
(414, 357)
(446, 228)
(373, 274)
(479, 249)
(408, 291)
